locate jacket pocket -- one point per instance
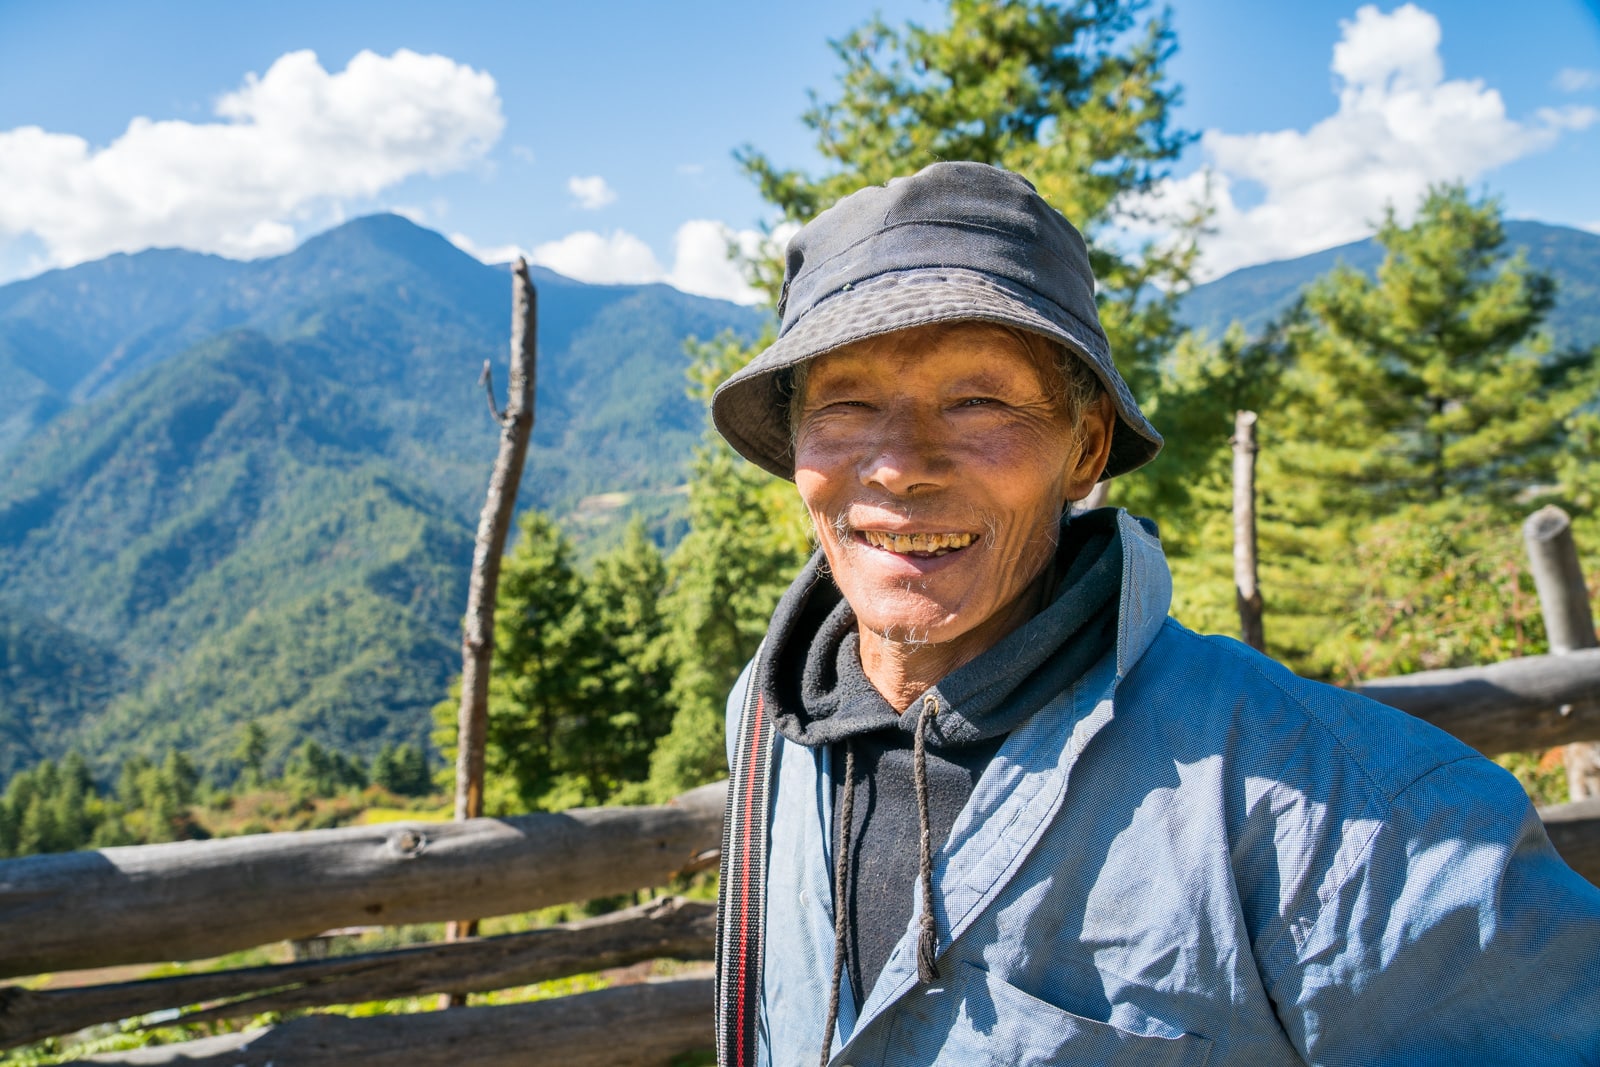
(993, 1022)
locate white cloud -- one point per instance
(1576, 79)
(1571, 117)
(1399, 127)
(491, 254)
(293, 142)
(592, 193)
(700, 263)
(414, 212)
(615, 258)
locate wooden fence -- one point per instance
(195, 899)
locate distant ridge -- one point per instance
(1253, 295)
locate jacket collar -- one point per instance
(1019, 794)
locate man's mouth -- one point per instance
(921, 545)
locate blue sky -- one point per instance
(597, 137)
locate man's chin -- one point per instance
(922, 624)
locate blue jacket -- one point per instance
(1193, 856)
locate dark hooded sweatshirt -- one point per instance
(815, 680)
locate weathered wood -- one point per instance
(1575, 831)
(1533, 702)
(671, 928)
(192, 899)
(1558, 576)
(1568, 621)
(494, 523)
(643, 1025)
(1246, 585)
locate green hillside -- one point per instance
(274, 524)
(226, 527)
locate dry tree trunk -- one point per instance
(1246, 584)
(494, 523)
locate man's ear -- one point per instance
(1095, 427)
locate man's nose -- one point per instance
(908, 453)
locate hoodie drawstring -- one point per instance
(928, 935)
(841, 870)
(928, 939)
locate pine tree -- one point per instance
(535, 683)
(179, 770)
(385, 769)
(1074, 96)
(1419, 412)
(747, 538)
(1433, 379)
(412, 776)
(313, 769)
(252, 752)
(625, 679)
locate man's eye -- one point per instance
(977, 401)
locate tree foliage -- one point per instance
(60, 807)
(747, 538)
(1433, 378)
(1418, 417)
(1074, 96)
(578, 687)
(403, 770)
(57, 807)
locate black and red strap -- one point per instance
(741, 899)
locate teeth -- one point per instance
(919, 542)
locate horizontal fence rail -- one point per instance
(1575, 831)
(671, 928)
(1514, 705)
(194, 899)
(642, 1025)
(189, 900)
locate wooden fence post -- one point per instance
(1568, 620)
(1246, 584)
(494, 522)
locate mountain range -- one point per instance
(247, 491)
(235, 492)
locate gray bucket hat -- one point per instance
(953, 242)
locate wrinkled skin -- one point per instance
(941, 433)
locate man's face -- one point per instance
(935, 463)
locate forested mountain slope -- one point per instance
(256, 499)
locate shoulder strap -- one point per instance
(741, 897)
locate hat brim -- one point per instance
(751, 412)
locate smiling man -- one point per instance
(990, 806)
